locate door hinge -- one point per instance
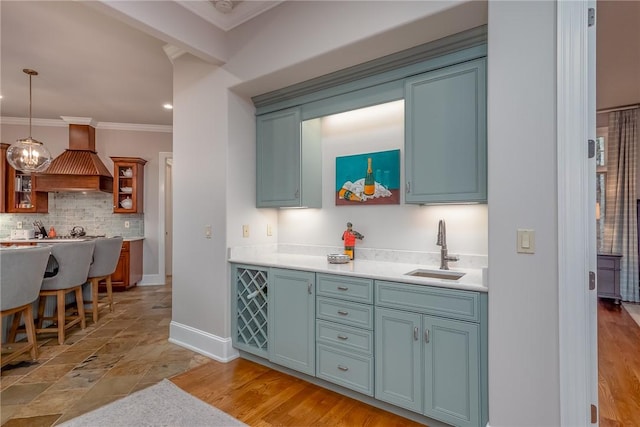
(592, 148)
(591, 20)
(594, 414)
(592, 280)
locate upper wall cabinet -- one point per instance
(445, 135)
(288, 170)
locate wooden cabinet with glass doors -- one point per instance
(128, 184)
(17, 190)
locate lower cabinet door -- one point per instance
(452, 371)
(292, 319)
(398, 356)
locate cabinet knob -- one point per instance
(343, 368)
(343, 288)
(343, 313)
(309, 288)
(408, 187)
(426, 336)
(342, 337)
(415, 333)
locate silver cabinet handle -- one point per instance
(426, 335)
(415, 333)
(297, 193)
(343, 313)
(343, 368)
(408, 187)
(343, 288)
(309, 288)
(342, 337)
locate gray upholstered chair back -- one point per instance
(74, 260)
(105, 256)
(21, 273)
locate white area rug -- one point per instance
(633, 310)
(163, 404)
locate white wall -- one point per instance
(112, 142)
(523, 289)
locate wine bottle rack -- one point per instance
(251, 310)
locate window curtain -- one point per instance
(621, 226)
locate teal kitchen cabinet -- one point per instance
(288, 166)
(446, 136)
(344, 332)
(292, 319)
(249, 305)
(429, 353)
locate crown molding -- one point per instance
(79, 121)
(98, 125)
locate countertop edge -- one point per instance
(359, 269)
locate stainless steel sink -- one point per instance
(436, 274)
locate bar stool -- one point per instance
(74, 260)
(21, 272)
(105, 260)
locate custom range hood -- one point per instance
(79, 168)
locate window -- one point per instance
(601, 181)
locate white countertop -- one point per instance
(58, 240)
(392, 271)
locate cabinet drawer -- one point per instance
(348, 313)
(451, 303)
(350, 288)
(609, 263)
(345, 369)
(345, 337)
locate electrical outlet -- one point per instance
(207, 231)
(126, 224)
(269, 231)
(245, 230)
(19, 225)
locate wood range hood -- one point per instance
(79, 168)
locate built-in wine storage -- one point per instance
(251, 308)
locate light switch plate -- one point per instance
(269, 230)
(245, 230)
(207, 231)
(526, 243)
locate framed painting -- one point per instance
(368, 179)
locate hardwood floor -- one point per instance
(259, 396)
(618, 366)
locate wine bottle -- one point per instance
(348, 195)
(369, 182)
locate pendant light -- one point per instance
(28, 154)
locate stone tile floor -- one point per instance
(126, 351)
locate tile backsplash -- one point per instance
(93, 211)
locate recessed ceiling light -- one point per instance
(168, 106)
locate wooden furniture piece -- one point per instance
(18, 195)
(128, 272)
(128, 173)
(609, 276)
(106, 255)
(74, 261)
(22, 271)
(4, 166)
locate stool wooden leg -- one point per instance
(31, 331)
(41, 303)
(94, 298)
(14, 327)
(61, 316)
(109, 293)
(80, 303)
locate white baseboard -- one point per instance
(152, 279)
(207, 344)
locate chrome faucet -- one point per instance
(442, 242)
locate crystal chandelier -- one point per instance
(28, 154)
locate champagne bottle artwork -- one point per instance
(358, 183)
(369, 183)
